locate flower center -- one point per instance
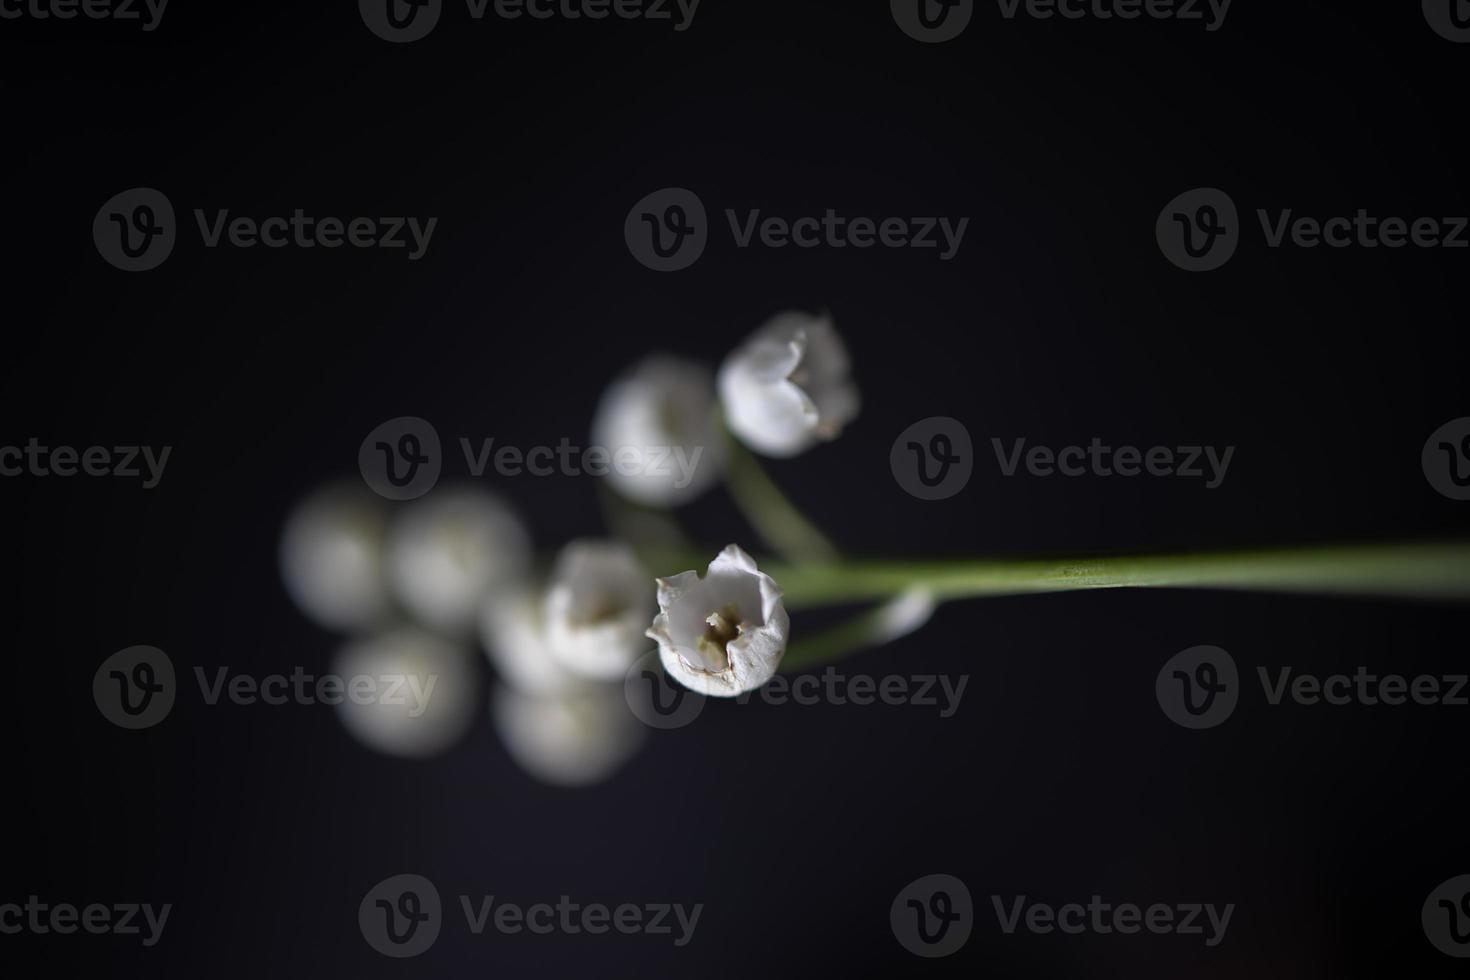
(724, 626)
(604, 610)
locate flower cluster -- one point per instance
(415, 585)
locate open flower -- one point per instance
(722, 633)
(788, 386)
(596, 608)
(660, 426)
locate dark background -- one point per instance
(1058, 321)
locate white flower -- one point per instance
(567, 738)
(332, 558)
(513, 633)
(451, 551)
(722, 633)
(596, 608)
(658, 422)
(905, 613)
(406, 692)
(788, 386)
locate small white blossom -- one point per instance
(722, 633)
(789, 385)
(513, 633)
(332, 558)
(661, 418)
(905, 613)
(596, 608)
(572, 737)
(406, 692)
(451, 552)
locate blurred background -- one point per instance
(795, 826)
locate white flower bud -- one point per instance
(451, 552)
(664, 412)
(332, 558)
(596, 608)
(513, 633)
(407, 693)
(789, 386)
(722, 633)
(573, 737)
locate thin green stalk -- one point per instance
(1434, 571)
(774, 517)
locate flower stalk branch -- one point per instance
(775, 518)
(1427, 571)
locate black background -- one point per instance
(1058, 321)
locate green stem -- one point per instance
(774, 517)
(1436, 571)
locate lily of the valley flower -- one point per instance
(788, 386)
(661, 418)
(596, 609)
(451, 552)
(573, 737)
(722, 633)
(513, 633)
(332, 558)
(421, 694)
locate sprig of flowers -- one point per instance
(411, 585)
